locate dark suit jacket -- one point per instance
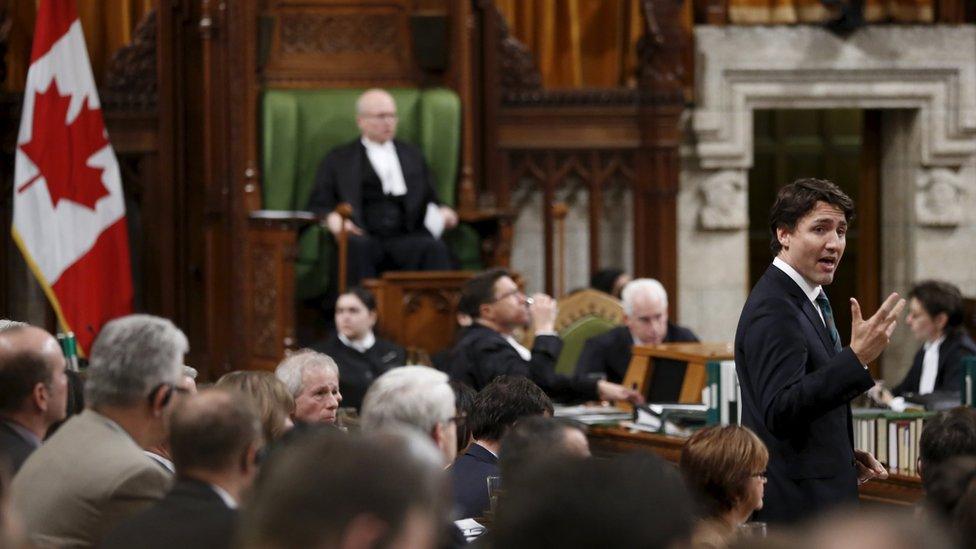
(954, 348)
(483, 354)
(470, 474)
(14, 448)
(609, 353)
(358, 370)
(796, 393)
(340, 176)
(191, 515)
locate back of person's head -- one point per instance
(795, 200)
(949, 434)
(6, 324)
(946, 484)
(291, 371)
(938, 297)
(635, 500)
(479, 291)
(874, 529)
(25, 363)
(504, 401)
(272, 399)
(964, 515)
(213, 431)
(537, 439)
(717, 463)
(131, 357)
(411, 395)
(642, 288)
(463, 404)
(605, 280)
(326, 487)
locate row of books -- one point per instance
(891, 436)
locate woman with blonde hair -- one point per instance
(725, 468)
(270, 396)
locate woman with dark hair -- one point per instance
(361, 356)
(725, 468)
(935, 315)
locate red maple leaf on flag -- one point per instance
(61, 151)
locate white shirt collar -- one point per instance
(519, 348)
(934, 345)
(809, 289)
(362, 345)
(386, 163)
(370, 144)
(167, 464)
(229, 500)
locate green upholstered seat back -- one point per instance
(300, 126)
(574, 337)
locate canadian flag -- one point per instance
(69, 212)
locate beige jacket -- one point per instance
(89, 475)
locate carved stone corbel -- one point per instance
(938, 198)
(723, 201)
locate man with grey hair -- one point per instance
(92, 472)
(414, 396)
(390, 188)
(33, 391)
(313, 380)
(645, 323)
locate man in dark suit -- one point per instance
(497, 407)
(360, 355)
(646, 323)
(388, 184)
(797, 381)
(215, 436)
(33, 391)
(488, 348)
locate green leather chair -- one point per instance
(574, 337)
(300, 126)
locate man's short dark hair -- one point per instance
(949, 434)
(19, 374)
(636, 500)
(364, 295)
(939, 297)
(531, 441)
(799, 198)
(320, 480)
(503, 402)
(210, 431)
(479, 291)
(464, 397)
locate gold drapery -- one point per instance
(750, 12)
(578, 43)
(107, 24)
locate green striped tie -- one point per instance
(828, 316)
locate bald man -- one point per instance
(33, 391)
(391, 191)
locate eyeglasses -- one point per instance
(459, 421)
(384, 116)
(507, 295)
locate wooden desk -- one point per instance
(899, 490)
(640, 371)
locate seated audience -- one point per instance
(947, 435)
(274, 403)
(610, 281)
(391, 191)
(215, 437)
(725, 469)
(329, 490)
(360, 355)
(636, 500)
(313, 380)
(417, 397)
(463, 403)
(536, 440)
(935, 315)
(496, 408)
(33, 391)
(947, 484)
(607, 355)
(488, 348)
(92, 472)
(160, 453)
(873, 529)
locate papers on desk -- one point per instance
(593, 415)
(434, 220)
(471, 529)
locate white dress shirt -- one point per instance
(930, 366)
(386, 164)
(810, 290)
